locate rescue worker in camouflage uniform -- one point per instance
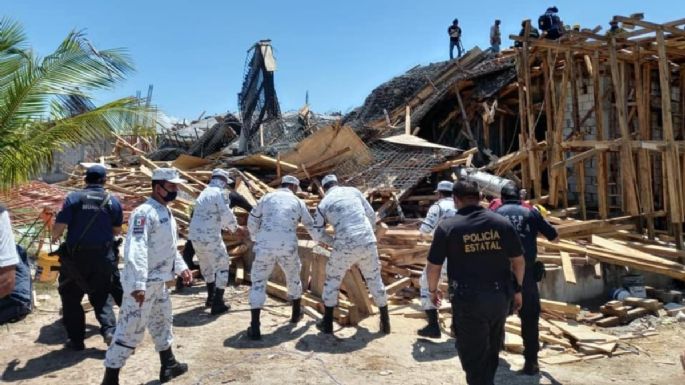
(443, 208)
(354, 242)
(210, 216)
(150, 260)
(273, 227)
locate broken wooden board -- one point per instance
(560, 307)
(188, 162)
(513, 343)
(582, 333)
(567, 267)
(564, 358)
(326, 142)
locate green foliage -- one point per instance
(46, 102)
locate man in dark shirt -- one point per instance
(482, 250)
(528, 222)
(455, 38)
(92, 218)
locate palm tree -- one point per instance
(45, 103)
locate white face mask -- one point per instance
(217, 182)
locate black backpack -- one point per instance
(545, 22)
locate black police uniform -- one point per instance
(528, 223)
(477, 245)
(92, 269)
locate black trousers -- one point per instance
(479, 319)
(530, 318)
(101, 278)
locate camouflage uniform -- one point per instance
(211, 214)
(273, 225)
(444, 208)
(151, 259)
(354, 222)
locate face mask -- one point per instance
(217, 183)
(170, 195)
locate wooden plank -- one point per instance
(560, 359)
(582, 333)
(633, 253)
(567, 267)
(398, 285)
(561, 307)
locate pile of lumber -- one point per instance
(615, 313)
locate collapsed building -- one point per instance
(590, 125)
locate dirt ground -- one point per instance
(218, 352)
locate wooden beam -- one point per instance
(602, 170)
(627, 163)
(576, 158)
(556, 176)
(652, 26)
(533, 159)
(642, 97)
(671, 155)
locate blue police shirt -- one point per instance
(528, 223)
(78, 209)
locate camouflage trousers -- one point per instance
(426, 302)
(214, 262)
(342, 258)
(154, 314)
(263, 265)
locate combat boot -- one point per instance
(210, 294)
(385, 320)
(253, 331)
(297, 311)
(530, 368)
(432, 330)
(170, 367)
(218, 305)
(326, 324)
(111, 377)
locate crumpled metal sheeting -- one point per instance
(395, 166)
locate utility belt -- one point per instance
(91, 248)
(492, 286)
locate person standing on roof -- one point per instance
(273, 229)
(495, 37)
(354, 242)
(532, 34)
(454, 31)
(210, 215)
(528, 223)
(550, 24)
(443, 208)
(151, 258)
(614, 29)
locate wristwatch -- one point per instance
(517, 287)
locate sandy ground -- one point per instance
(218, 352)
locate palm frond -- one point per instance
(11, 35)
(28, 152)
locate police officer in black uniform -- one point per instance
(92, 218)
(528, 223)
(482, 250)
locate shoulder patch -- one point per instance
(139, 224)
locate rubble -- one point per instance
(483, 112)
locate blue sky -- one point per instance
(194, 51)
